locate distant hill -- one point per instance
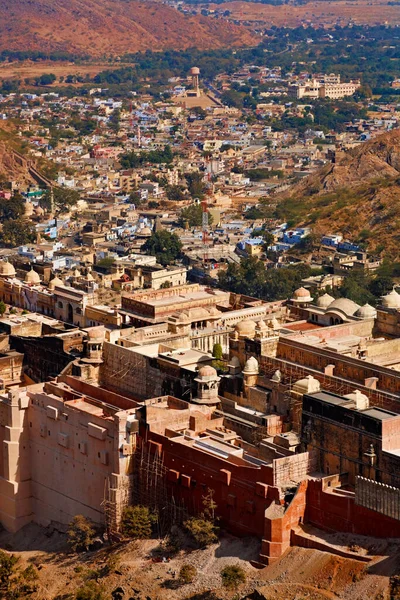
(111, 27)
(358, 196)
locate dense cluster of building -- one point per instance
(301, 423)
(125, 381)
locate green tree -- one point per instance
(196, 184)
(174, 192)
(355, 287)
(187, 573)
(193, 216)
(81, 533)
(218, 363)
(106, 263)
(132, 160)
(64, 199)
(17, 233)
(268, 240)
(137, 522)
(380, 285)
(217, 351)
(3, 308)
(165, 246)
(308, 242)
(246, 278)
(114, 120)
(46, 79)
(232, 98)
(136, 198)
(14, 208)
(232, 576)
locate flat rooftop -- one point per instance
(379, 413)
(184, 297)
(188, 358)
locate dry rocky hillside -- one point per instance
(10, 169)
(137, 572)
(109, 27)
(358, 196)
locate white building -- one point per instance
(316, 89)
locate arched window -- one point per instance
(70, 316)
(60, 305)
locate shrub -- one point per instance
(202, 531)
(136, 522)
(187, 573)
(90, 591)
(7, 564)
(232, 576)
(81, 533)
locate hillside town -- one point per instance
(170, 327)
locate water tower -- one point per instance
(195, 72)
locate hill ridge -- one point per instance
(110, 27)
(358, 196)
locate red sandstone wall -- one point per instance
(242, 493)
(277, 532)
(98, 392)
(340, 513)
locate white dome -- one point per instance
(6, 269)
(308, 385)
(246, 328)
(32, 277)
(391, 300)
(55, 281)
(366, 312)
(207, 372)
(234, 362)
(145, 231)
(251, 366)
(345, 305)
(301, 295)
(324, 301)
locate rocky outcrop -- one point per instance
(358, 196)
(12, 168)
(380, 157)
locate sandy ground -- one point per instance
(202, 101)
(26, 69)
(325, 12)
(301, 574)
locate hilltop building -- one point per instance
(329, 87)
